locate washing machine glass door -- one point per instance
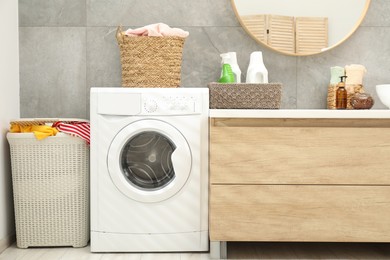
(149, 160)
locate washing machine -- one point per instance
(149, 169)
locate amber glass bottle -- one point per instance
(341, 94)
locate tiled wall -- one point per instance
(68, 46)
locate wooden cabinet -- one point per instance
(322, 180)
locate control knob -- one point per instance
(150, 106)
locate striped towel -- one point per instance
(79, 129)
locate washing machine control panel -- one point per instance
(170, 104)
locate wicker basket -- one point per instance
(50, 181)
(150, 61)
(245, 96)
(351, 91)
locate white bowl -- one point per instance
(383, 92)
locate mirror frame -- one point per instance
(357, 25)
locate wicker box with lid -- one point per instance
(50, 180)
(245, 96)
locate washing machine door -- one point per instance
(149, 160)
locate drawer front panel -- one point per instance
(300, 155)
(300, 213)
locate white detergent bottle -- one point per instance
(231, 59)
(257, 72)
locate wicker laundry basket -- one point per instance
(245, 96)
(150, 61)
(50, 181)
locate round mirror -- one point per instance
(300, 27)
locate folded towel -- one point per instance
(335, 74)
(355, 73)
(157, 29)
(40, 131)
(79, 129)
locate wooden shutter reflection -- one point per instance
(281, 33)
(311, 34)
(300, 35)
(256, 24)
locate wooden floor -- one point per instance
(235, 251)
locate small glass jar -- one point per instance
(362, 101)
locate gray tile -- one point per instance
(103, 58)
(374, 55)
(202, 63)
(312, 81)
(174, 13)
(58, 65)
(378, 14)
(314, 71)
(52, 13)
(282, 68)
(201, 57)
(52, 72)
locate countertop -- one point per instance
(300, 113)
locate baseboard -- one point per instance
(6, 242)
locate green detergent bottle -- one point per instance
(227, 74)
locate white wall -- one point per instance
(342, 14)
(9, 109)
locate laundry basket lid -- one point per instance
(42, 121)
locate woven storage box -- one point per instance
(50, 181)
(245, 96)
(150, 61)
(351, 91)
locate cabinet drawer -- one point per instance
(299, 155)
(300, 213)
